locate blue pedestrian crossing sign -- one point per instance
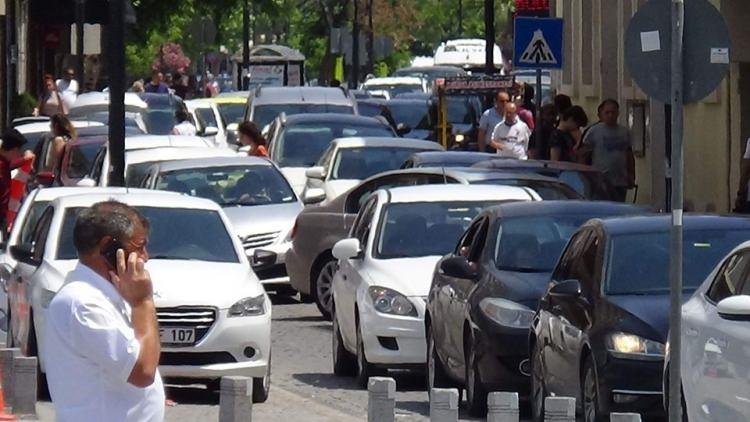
(538, 43)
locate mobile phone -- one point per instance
(110, 253)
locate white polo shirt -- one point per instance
(513, 138)
(90, 351)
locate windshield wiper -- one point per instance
(520, 269)
(173, 257)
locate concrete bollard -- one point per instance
(502, 407)
(24, 385)
(6, 371)
(624, 417)
(381, 394)
(559, 409)
(444, 405)
(236, 399)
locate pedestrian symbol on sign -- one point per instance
(538, 51)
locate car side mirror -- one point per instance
(735, 308)
(317, 172)
(233, 127)
(458, 267)
(24, 253)
(313, 196)
(263, 258)
(347, 249)
(567, 288)
(86, 182)
(211, 131)
(402, 129)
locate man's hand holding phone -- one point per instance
(132, 280)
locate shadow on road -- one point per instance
(311, 318)
(192, 394)
(281, 299)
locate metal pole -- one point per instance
(245, 42)
(355, 48)
(11, 60)
(538, 127)
(116, 69)
(675, 273)
(80, 12)
(489, 36)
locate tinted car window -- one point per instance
(415, 115)
(463, 110)
(81, 159)
(176, 233)
(703, 249)
(361, 163)
(30, 222)
(732, 278)
(263, 115)
(302, 145)
(207, 116)
(234, 113)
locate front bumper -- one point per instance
(224, 349)
(392, 340)
(501, 353)
(622, 392)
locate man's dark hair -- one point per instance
(563, 102)
(577, 114)
(250, 130)
(12, 139)
(181, 116)
(108, 218)
(608, 101)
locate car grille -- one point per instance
(205, 358)
(201, 318)
(259, 240)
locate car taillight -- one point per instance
(294, 229)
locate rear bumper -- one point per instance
(298, 271)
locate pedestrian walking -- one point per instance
(68, 88)
(490, 118)
(611, 149)
(539, 148)
(565, 142)
(50, 102)
(184, 126)
(510, 138)
(526, 107)
(251, 136)
(157, 84)
(11, 157)
(62, 133)
(742, 202)
(101, 335)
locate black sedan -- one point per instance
(600, 331)
(483, 296)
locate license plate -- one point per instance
(177, 335)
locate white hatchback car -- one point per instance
(715, 368)
(210, 326)
(386, 267)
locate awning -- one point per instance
(62, 12)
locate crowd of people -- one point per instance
(184, 86)
(508, 129)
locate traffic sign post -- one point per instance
(678, 53)
(538, 45)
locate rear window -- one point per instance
(263, 115)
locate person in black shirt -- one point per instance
(539, 149)
(565, 141)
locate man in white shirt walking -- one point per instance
(68, 88)
(511, 136)
(102, 336)
(184, 126)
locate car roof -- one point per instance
(99, 98)
(394, 80)
(213, 162)
(455, 193)
(138, 197)
(505, 163)
(525, 209)
(332, 117)
(301, 94)
(44, 126)
(473, 175)
(439, 157)
(49, 194)
(662, 223)
(154, 141)
(175, 153)
(372, 141)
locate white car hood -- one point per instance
(263, 218)
(409, 276)
(199, 283)
(296, 177)
(334, 188)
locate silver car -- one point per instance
(256, 197)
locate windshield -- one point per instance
(463, 110)
(176, 233)
(361, 163)
(302, 145)
(703, 249)
(395, 89)
(369, 109)
(233, 113)
(81, 160)
(263, 115)
(207, 116)
(244, 185)
(160, 121)
(533, 244)
(419, 229)
(547, 190)
(415, 115)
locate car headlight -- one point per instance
(507, 313)
(459, 138)
(389, 301)
(632, 346)
(45, 297)
(249, 306)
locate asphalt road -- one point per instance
(302, 382)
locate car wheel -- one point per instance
(590, 393)
(344, 363)
(476, 395)
(42, 388)
(365, 369)
(262, 386)
(323, 292)
(538, 389)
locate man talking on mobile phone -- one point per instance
(102, 336)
